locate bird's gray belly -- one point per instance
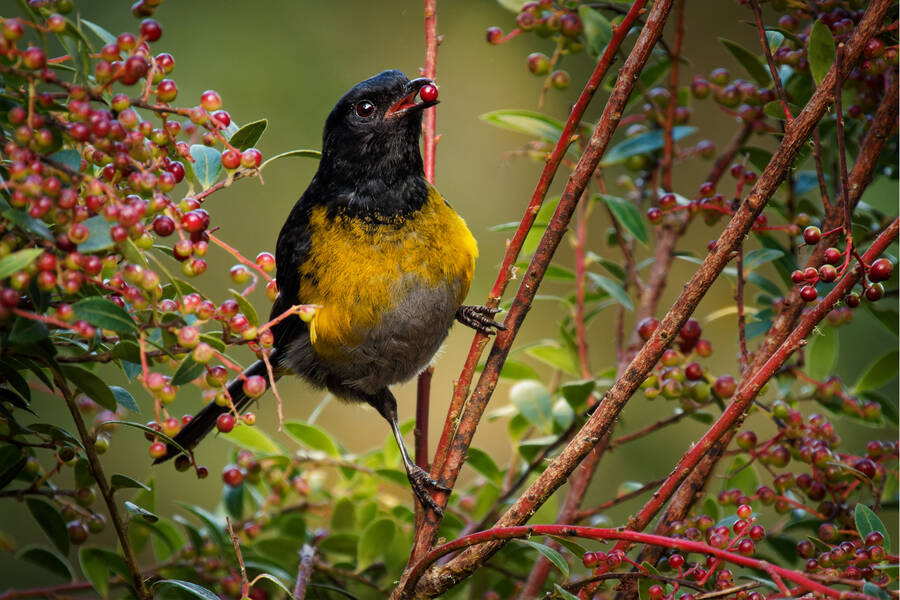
(396, 349)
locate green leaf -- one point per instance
(761, 256)
(15, 262)
(246, 308)
(775, 110)
(124, 398)
(47, 559)
(372, 543)
(822, 352)
(50, 521)
(233, 499)
(873, 590)
(644, 143)
(613, 288)
(248, 135)
(312, 437)
(100, 32)
(68, 157)
(525, 121)
(82, 472)
(879, 373)
(343, 515)
(628, 216)
(27, 331)
(775, 39)
(192, 589)
(577, 392)
(118, 481)
(484, 464)
(143, 513)
(742, 476)
(304, 153)
(570, 544)
(105, 314)
(187, 371)
(597, 30)
(214, 529)
(517, 370)
(512, 5)
(820, 51)
(92, 385)
(534, 402)
(277, 582)
(867, 522)
(12, 461)
(98, 240)
(95, 568)
(564, 594)
(555, 558)
(207, 164)
(551, 353)
(252, 438)
(749, 61)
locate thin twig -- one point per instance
(96, 469)
(304, 571)
(773, 70)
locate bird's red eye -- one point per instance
(365, 108)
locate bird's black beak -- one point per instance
(407, 104)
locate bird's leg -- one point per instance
(419, 479)
(479, 318)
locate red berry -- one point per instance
(222, 118)
(166, 90)
(667, 201)
(874, 292)
(880, 270)
(157, 450)
(34, 58)
(832, 256)
(693, 371)
(493, 35)
(265, 261)
(232, 476)
(808, 293)
(827, 273)
(231, 159)
(646, 328)
(163, 225)
(225, 422)
(724, 387)
(654, 215)
(757, 532)
(746, 547)
(150, 30)
(691, 330)
(210, 100)
(707, 189)
(798, 276)
(590, 560)
(676, 561)
(254, 386)
(428, 93)
(812, 235)
(251, 158)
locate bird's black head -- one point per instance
(373, 131)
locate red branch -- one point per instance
(606, 534)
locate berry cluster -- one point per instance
(100, 184)
(678, 377)
(559, 21)
(836, 265)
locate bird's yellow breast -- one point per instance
(358, 271)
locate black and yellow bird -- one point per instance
(380, 251)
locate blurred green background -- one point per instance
(288, 61)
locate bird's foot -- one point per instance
(480, 318)
(421, 482)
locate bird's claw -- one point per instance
(421, 481)
(480, 318)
